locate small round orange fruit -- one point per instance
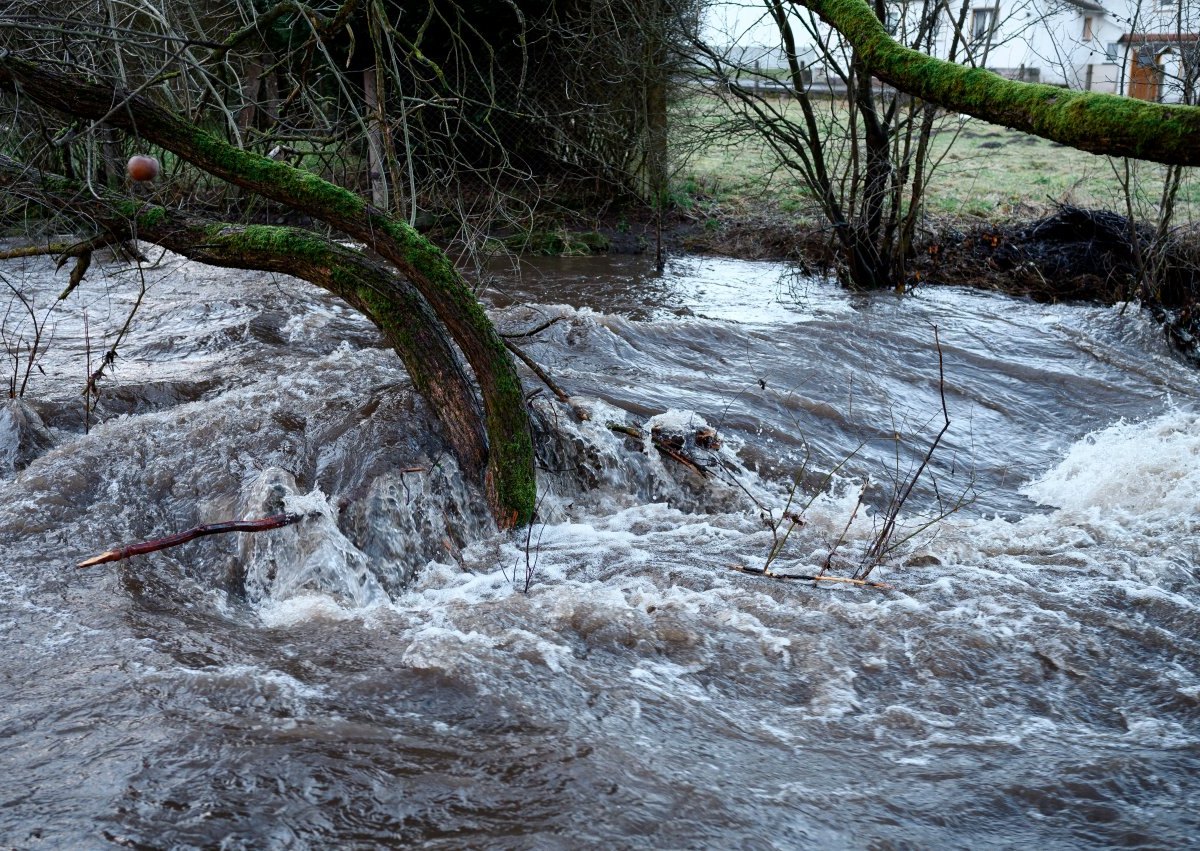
(142, 168)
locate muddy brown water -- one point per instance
(375, 677)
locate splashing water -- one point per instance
(374, 676)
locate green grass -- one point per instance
(996, 172)
(985, 171)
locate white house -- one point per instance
(1148, 49)
(1144, 48)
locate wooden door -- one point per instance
(1145, 78)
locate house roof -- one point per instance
(1159, 38)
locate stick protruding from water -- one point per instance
(274, 521)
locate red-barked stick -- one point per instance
(275, 521)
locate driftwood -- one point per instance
(771, 574)
(664, 446)
(275, 521)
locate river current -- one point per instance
(392, 672)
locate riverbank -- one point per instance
(1052, 253)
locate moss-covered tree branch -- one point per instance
(510, 479)
(388, 300)
(1089, 121)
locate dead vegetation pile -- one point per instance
(1076, 254)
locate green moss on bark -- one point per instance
(1089, 121)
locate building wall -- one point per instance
(1049, 40)
(1081, 45)
(1068, 44)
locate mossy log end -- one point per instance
(373, 289)
(1098, 123)
(510, 479)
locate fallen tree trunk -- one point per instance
(510, 480)
(1100, 123)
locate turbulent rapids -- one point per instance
(391, 670)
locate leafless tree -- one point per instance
(863, 151)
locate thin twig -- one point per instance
(33, 350)
(842, 537)
(110, 357)
(87, 396)
(882, 542)
(531, 565)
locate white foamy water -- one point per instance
(390, 671)
(1148, 472)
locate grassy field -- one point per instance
(986, 172)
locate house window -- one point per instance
(982, 21)
(1112, 52)
(1087, 29)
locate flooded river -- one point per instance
(391, 672)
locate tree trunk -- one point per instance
(377, 170)
(509, 483)
(251, 86)
(1099, 123)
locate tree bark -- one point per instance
(1099, 123)
(389, 301)
(377, 169)
(509, 482)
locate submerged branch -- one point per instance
(771, 574)
(537, 329)
(537, 370)
(577, 410)
(661, 445)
